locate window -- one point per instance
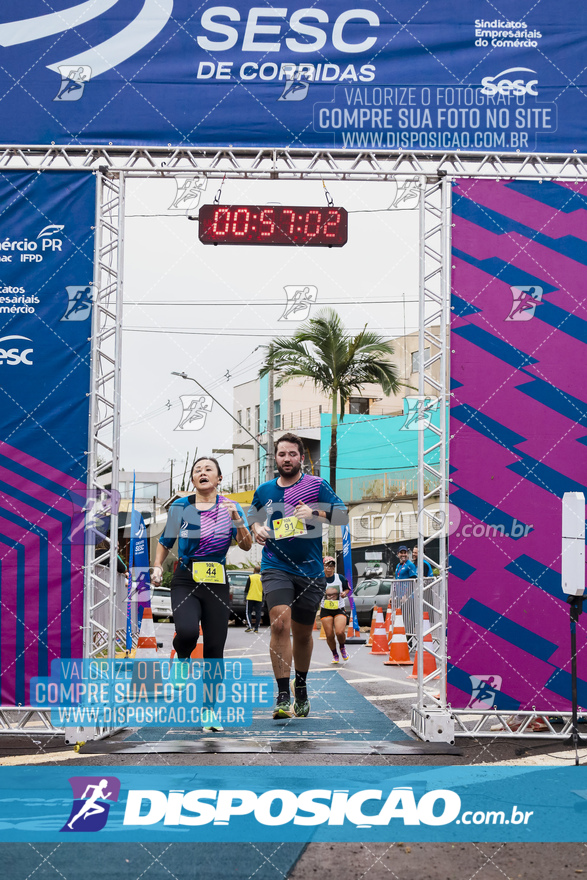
(244, 476)
(239, 417)
(384, 588)
(248, 425)
(257, 419)
(358, 406)
(361, 528)
(416, 359)
(367, 588)
(276, 415)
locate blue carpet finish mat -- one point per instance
(339, 712)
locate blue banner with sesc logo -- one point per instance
(341, 74)
(46, 271)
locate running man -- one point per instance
(286, 518)
(90, 807)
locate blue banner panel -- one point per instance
(399, 75)
(46, 269)
(231, 804)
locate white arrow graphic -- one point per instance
(29, 29)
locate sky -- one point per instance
(208, 310)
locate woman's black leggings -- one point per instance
(192, 604)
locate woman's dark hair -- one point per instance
(205, 458)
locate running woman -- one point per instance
(286, 518)
(333, 615)
(206, 523)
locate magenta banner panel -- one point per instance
(518, 439)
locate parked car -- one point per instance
(237, 581)
(366, 594)
(161, 603)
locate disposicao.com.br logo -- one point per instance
(313, 807)
(91, 796)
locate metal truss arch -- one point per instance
(432, 717)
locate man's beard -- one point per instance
(294, 470)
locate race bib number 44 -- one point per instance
(208, 572)
(288, 527)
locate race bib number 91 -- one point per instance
(288, 527)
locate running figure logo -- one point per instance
(195, 409)
(79, 306)
(295, 87)
(418, 412)
(299, 302)
(188, 193)
(526, 299)
(483, 689)
(90, 807)
(407, 195)
(73, 82)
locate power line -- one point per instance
(272, 303)
(222, 332)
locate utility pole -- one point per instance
(171, 480)
(269, 463)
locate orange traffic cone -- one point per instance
(147, 643)
(399, 652)
(379, 636)
(198, 652)
(429, 659)
(388, 622)
(352, 632)
(322, 633)
(372, 630)
(317, 622)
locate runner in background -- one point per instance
(333, 615)
(254, 600)
(286, 518)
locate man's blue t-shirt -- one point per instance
(203, 534)
(405, 570)
(300, 555)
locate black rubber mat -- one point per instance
(264, 745)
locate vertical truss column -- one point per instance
(431, 718)
(104, 420)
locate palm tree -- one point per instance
(337, 363)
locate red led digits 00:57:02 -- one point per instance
(273, 224)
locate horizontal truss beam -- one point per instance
(292, 164)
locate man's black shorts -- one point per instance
(302, 594)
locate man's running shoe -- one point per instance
(335, 657)
(343, 653)
(301, 708)
(249, 629)
(212, 728)
(282, 710)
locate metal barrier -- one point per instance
(403, 595)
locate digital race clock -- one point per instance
(273, 224)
